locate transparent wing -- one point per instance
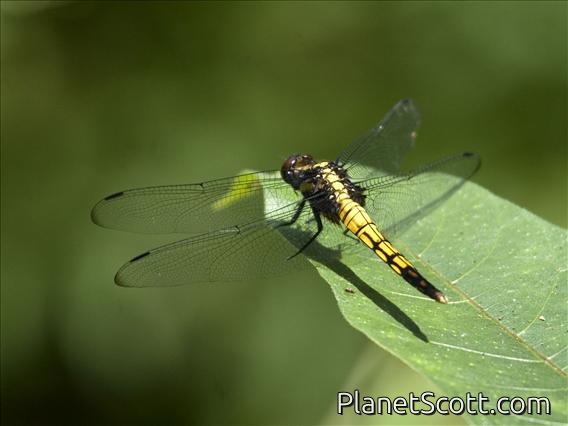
(386, 144)
(396, 202)
(220, 203)
(193, 208)
(246, 212)
(264, 248)
(254, 249)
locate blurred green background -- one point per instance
(99, 97)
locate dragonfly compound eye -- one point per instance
(293, 168)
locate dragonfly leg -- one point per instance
(317, 218)
(296, 215)
(348, 235)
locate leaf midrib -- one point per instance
(465, 297)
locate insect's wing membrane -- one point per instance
(385, 146)
(247, 251)
(396, 202)
(193, 208)
(237, 222)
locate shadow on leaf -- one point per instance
(330, 258)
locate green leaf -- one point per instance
(504, 331)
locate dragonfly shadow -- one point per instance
(330, 258)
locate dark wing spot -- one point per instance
(115, 195)
(140, 256)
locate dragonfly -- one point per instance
(266, 223)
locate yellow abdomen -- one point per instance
(354, 216)
(357, 220)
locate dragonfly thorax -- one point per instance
(325, 185)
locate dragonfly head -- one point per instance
(294, 169)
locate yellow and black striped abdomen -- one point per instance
(357, 220)
(332, 195)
